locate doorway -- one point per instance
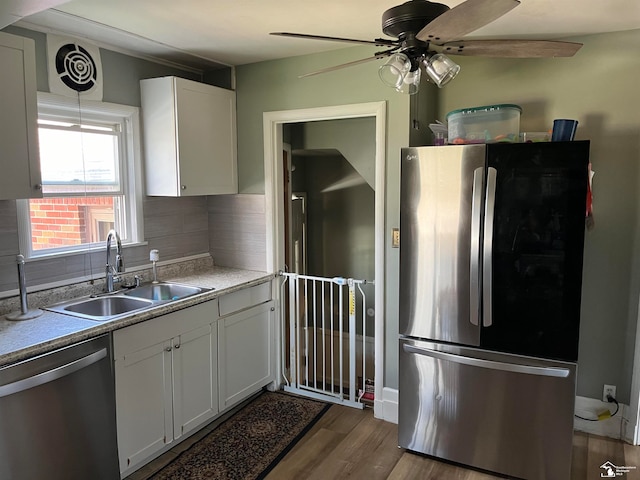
(273, 123)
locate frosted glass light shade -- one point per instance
(441, 69)
(392, 73)
(410, 83)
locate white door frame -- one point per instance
(631, 428)
(273, 181)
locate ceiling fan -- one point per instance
(425, 31)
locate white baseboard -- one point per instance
(387, 408)
(615, 427)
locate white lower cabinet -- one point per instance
(245, 353)
(195, 385)
(176, 372)
(143, 392)
(166, 381)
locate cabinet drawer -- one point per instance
(245, 298)
(134, 337)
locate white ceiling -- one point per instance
(235, 32)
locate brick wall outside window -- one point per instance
(59, 222)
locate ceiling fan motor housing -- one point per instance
(410, 17)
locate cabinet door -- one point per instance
(19, 158)
(206, 138)
(245, 362)
(195, 392)
(189, 137)
(143, 399)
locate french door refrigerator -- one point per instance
(490, 286)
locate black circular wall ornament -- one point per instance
(76, 68)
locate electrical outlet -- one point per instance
(608, 390)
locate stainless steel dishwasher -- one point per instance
(57, 415)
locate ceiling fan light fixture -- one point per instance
(410, 83)
(440, 69)
(393, 72)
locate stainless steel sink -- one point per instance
(115, 305)
(102, 309)
(164, 291)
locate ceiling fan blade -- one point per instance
(377, 41)
(377, 56)
(463, 19)
(511, 48)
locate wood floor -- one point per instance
(350, 443)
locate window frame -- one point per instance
(129, 119)
(107, 126)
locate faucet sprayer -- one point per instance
(24, 313)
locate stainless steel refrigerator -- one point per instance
(490, 287)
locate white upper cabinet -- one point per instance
(189, 131)
(19, 158)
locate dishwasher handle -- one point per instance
(53, 374)
(491, 364)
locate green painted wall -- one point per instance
(340, 223)
(355, 138)
(341, 199)
(599, 88)
(274, 86)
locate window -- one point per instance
(89, 157)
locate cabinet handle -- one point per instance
(183, 187)
(177, 345)
(168, 349)
(38, 186)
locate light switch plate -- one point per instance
(395, 237)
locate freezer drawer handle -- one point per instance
(51, 375)
(477, 362)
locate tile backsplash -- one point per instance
(231, 228)
(237, 231)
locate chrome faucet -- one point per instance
(111, 271)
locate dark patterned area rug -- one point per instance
(250, 443)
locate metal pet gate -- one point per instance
(322, 341)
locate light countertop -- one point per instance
(27, 338)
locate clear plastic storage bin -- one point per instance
(488, 124)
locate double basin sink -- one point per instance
(110, 306)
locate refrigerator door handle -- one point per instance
(487, 253)
(491, 364)
(474, 254)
